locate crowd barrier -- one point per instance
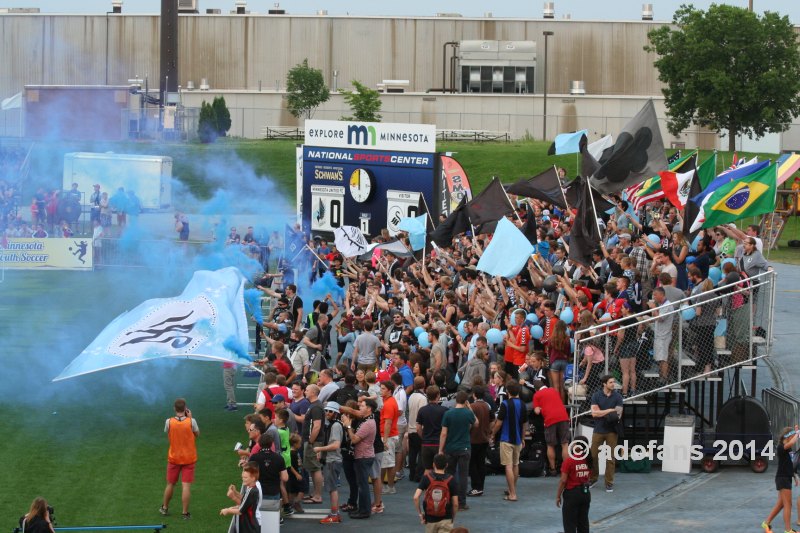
(741, 333)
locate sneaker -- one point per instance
(475, 492)
(163, 510)
(378, 509)
(346, 508)
(399, 475)
(288, 510)
(388, 490)
(187, 516)
(331, 519)
(232, 408)
(609, 487)
(766, 527)
(359, 516)
(282, 520)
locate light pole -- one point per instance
(544, 114)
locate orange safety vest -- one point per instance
(182, 449)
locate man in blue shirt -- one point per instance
(511, 418)
(454, 442)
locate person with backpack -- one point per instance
(440, 502)
(316, 341)
(511, 419)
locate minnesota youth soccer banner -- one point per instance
(64, 254)
(206, 322)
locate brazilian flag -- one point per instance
(746, 197)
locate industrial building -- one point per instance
(456, 72)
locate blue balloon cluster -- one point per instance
(567, 316)
(494, 336)
(537, 332)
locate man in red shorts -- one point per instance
(182, 432)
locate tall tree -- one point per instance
(207, 123)
(728, 68)
(222, 115)
(364, 102)
(306, 90)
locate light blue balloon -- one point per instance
(606, 316)
(715, 274)
(730, 260)
(537, 332)
(494, 336)
(688, 313)
(462, 328)
(424, 342)
(419, 330)
(567, 316)
(655, 240)
(533, 318)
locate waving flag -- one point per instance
(491, 204)
(787, 165)
(350, 241)
(456, 222)
(707, 171)
(597, 148)
(745, 169)
(652, 189)
(567, 143)
(704, 175)
(545, 186)
(206, 322)
(746, 197)
(508, 252)
(676, 184)
(637, 154)
(416, 228)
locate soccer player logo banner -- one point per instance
(206, 322)
(350, 241)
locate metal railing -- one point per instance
(783, 409)
(691, 352)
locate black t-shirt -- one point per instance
(452, 486)
(784, 462)
(315, 412)
(604, 402)
(247, 511)
(430, 416)
(36, 525)
(270, 466)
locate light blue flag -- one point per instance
(206, 322)
(508, 252)
(416, 228)
(569, 143)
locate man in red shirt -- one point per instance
(547, 402)
(516, 343)
(574, 486)
(390, 414)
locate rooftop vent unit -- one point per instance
(449, 15)
(647, 11)
(213, 11)
(116, 6)
(190, 85)
(549, 11)
(204, 86)
(487, 15)
(276, 10)
(577, 87)
(241, 7)
(188, 6)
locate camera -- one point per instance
(52, 514)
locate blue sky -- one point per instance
(578, 9)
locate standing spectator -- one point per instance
(662, 331)
(331, 455)
(705, 321)
(313, 434)
(97, 242)
(390, 416)
(607, 413)
(516, 343)
(182, 432)
(547, 402)
(105, 209)
(574, 487)
(363, 438)
(119, 205)
(94, 203)
(480, 435)
(329, 389)
(366, 349)
(429, 426)
(401, 398)
(455, 443)
(182, 226)
(247, 518)
(271, 466)
(783, 479)
(416, 401)
(511, 419)
(229, 383)
(439, 508)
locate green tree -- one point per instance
(365, 103)
(222, 116)
(306, 90)
(728, 68)
(207, 123)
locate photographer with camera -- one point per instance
(39, 519)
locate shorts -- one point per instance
(389, 452)
(509, 453)
(782, 483)
(557, 434)
(376, 466)
(184, 472)
(331, 474)
(401, 433)
(427, 455)
(628, 351)
(661, 349)
(310, 461)
(296, 486)
(559, 365)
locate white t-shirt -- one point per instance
(402, 402)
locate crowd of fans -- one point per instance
(403, 374)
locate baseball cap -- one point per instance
(278, 398)
(546, 212)
(331, 406)
(545, 218)
(625, 236)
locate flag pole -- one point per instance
(514, 209)
(561, 186)
(594, 208)
(321, 260)
(427, 210)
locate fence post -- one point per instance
(680, 345)
(751, 308)
(608, 342)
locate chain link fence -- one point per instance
(664, 348)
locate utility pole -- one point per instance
(544, 114)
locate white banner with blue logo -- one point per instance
(206, 322)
